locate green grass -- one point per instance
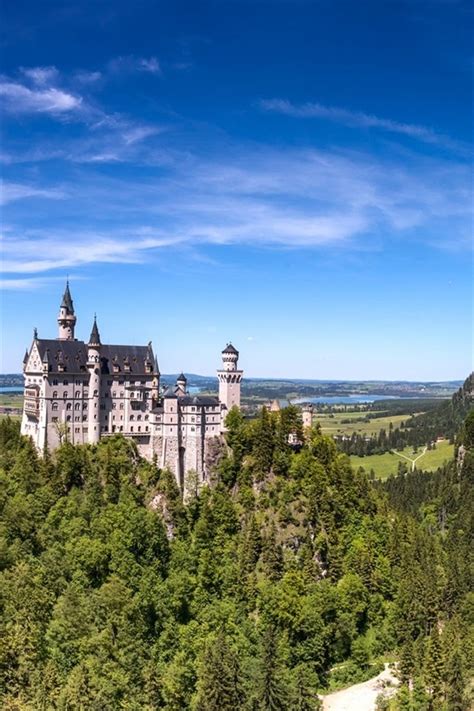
(337, 426)
(386, 464)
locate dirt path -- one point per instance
(360, 697)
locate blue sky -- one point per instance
(293, 176)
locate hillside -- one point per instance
(290, 576)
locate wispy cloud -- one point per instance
(130, 64)
(21, 99)
(41, 75)
(259, 197)
(358, 119)
(16, 191)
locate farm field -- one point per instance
(10, 400)
(387, 463)
(346, 423)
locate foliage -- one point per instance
(291, 573)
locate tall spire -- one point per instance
(66, 317)
(67, 302)
(94, 339)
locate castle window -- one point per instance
(84, 405)
(68, 418)
(146, 428)
(65, 382)
(86, 393)
(121, 393)
(113, 428)
(77, 394)
(146, 417)
(193, 409)
(84, 418)
(55, 393)
(55, 419)
(68, 406)
(55, 382)
(132, 417)
(131, 428)
(121, 428)
(121, 381)
(77, 406)
(96, 392)
(65, 394)
(114, 405)
(193, 419)
(77, 429)
(139, 417)
(121, 405)
(78, 382)
(139, 428)
(77, 419)
(113, 417)
(54, 406)
(193, 429)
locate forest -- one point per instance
(287, 575)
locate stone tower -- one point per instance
(66, 317)
(307, 411)
(93, 366)
(230, 378)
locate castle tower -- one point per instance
(66, 318)
(181, 383)
(307, 411)
(93, 366)
(230, 379)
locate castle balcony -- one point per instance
(32, 407)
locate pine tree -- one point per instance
(219, 683)
(272, 555)
(434, 667)
(272, 690)
(455, 682)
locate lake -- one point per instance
(344, 399)
(11, 389)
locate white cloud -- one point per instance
(41, 75)
(16, 191)
(129, 64)
(357, 119)
(20, 99)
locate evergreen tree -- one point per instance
(219, 682)
(273, 693)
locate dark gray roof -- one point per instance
(25, 357)
(230, 349)
(94, 338)
(67, 300)
(170, 393)
(73, 356)
(135, 356)
(181, 378)
(198, 400)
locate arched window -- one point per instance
(121, 405)
(77, 393)
(68, 418)
(65, 394)
(54, 406)
(68, 406)
(96, 393)
(77, 406)
(55, 393)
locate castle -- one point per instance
(81, 391)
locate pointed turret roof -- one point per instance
(67, 302)
(230, 349)
(156, 367)
(26, 356)
(181, 378)
(46, 359)
(94, 338)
